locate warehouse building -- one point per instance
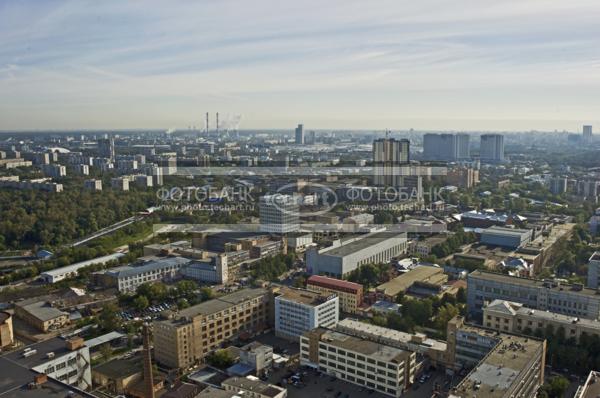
(345, 256)
(70, 271)
(506, 237)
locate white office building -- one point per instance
(279, 213)
(299, 310)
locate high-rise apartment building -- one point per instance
(446, 147)
(389, 157)
(300, 134)
(593, 276)
(187, 337)
(491, 149)
(106, 148)
(279, 213)
(587, 134)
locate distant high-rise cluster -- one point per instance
(106, 148)
(491, 149)
(446, 147)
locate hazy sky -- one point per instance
(425, 64)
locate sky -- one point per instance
(429, 64)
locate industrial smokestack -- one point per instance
(206, 122)
(217, 122)
(147, 358)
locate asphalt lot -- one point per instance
(323, 386)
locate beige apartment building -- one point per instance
(189, 335)
(350, 294)
(508, 316)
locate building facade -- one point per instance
(387, 370)
(279, 213)
(491, 149)
(573, 300)
(349, 294)
(299, 310)
(190, 335)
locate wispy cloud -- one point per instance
(342, 63)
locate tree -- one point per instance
(556, 388)
(185, 288)
(461, 295)
(206, 293)
(108, 320)
(141, 303)
(182, 303)
(446, 313)
(220, 359)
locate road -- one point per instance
(107, 230)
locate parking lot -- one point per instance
(322, 386)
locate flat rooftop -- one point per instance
(591, 388)
(333, 283)
(357, 244)
(42, 310)
(367, 329)
(17, 374)
(221, 303)
(422, 273)
(120, 368)
(534, 283)
(256, 386)
(371, 349)
(301, 296)
(499, 370)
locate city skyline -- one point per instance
(399, 65)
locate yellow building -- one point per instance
(350, 294)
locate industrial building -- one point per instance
(506, 237)
(70, 271)
(186, 337)
(299, 310)
(41, 315)
(344, 256)
(385, 369)
(129, 277)
(253, 387)
(562, 298)
(420, 281)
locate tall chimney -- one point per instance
(206, 122)
(147, 358)
(217, 123)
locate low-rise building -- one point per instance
(506, 237)
(344, 256)
(70, 271)
(129, 277)
(41, 315)
(511, 317)
(118, 374)
(253, 387)
(420, 281)
(299, 310)
(211, 270)
(93, 185)
(257, 356)
(6, 330)
(385, 369)
(350, 294)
